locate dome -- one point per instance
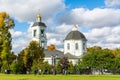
(38, 15)
(75, 35)
(39, 24)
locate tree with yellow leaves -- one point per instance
(6, 23)
(51, 47)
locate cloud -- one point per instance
(24, 10)
(63, 28)
(16, 34)
(105, 37)
(54, 41)
(112, 3)
(95, 18)
(58, 34)
(20, 40)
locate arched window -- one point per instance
(83, 46)
(76, 46)
(34, 33)
(68, 46)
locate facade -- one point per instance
(39, 31)
(74, 43)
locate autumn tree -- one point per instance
(6, 23)
(51, 47)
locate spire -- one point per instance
(74, 27)
(38, 17)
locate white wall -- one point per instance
(72, 49)
(37, 33)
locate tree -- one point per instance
(46, 68)
(99, 59)
(64, 64)
(79, 67)
(51, 47)
(32, 56)
(70, 68)
(115, 68)
(58, 67)
(6, 23)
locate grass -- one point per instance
(58, 77)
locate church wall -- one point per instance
(37, 33)
(72, 49)
(48, 59)
(74, 61)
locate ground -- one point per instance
(58, 77)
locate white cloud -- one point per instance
(112, 3)
(63, 28)
(105, 37)
(54, 41)
(20, 40)
(16, 34)
(24, 10)
(57, 35)
(93, 18)
(116, 30)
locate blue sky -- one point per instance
(98, 20)
(90, 4)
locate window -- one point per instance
(68, 46)
(34, 33)
(83, 46)
(42, 31)
(76, 46)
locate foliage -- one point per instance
(100, 59)
(51, 47)
(70, 68)
(6, 56)
(58, 67)
(32, 56)
(64, 63)
(46, 68)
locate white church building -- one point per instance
(74, 43)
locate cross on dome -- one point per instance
(74, 27)
(38, 17)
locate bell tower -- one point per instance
(39, 31)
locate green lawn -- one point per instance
(58, 77)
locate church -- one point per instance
(75, 43)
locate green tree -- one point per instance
(6, 23)
(58, 68)
(32, 56)
(70, 68)
(46, 68)
(99, 59)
